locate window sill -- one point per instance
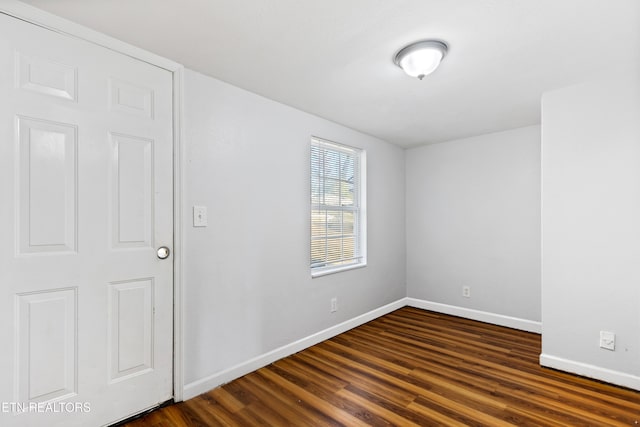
(333, 270)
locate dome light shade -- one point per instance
(421, 58)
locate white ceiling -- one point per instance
(333, 58)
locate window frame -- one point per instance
(360, 217)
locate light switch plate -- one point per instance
(199, 216)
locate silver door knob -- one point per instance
(163, 252)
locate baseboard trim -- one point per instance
(203, 385)
(590, 371)
(482, 316)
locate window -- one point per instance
(337, 207)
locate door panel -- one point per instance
(41, 75)
(47, 183)
(86, 187)
(131, 328)
(133, 198)
(46, 353)
(129, 98)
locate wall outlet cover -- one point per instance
(334, 304)
(607, 340)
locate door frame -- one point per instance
(55, 23)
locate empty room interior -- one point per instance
(285, 212)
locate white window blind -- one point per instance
(336, 206)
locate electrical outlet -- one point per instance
(466, 291)
(607, 340)
(334, 304)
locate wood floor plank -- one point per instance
(386, 410)
(225, 399)
(361, 377)
(410, 368)
(320, 405)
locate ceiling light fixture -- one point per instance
(421, 58)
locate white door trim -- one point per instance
(52, 22)
(178, 137)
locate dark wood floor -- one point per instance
(410, 368)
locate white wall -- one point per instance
(247, 283)
(473, 219)
(591, 229)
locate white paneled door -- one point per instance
(86, 303)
